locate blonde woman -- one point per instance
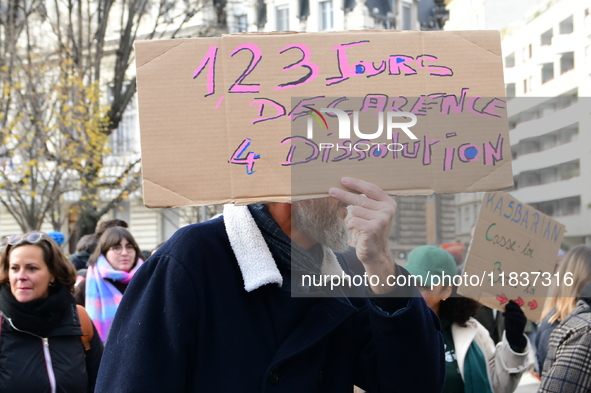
(576, 263)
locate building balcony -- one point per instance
(565, 42)
(551, 191)
(546, 158)
(576, 224)
(545, 124)
(545, 54)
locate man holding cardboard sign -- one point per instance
(257, 300)
(212, 311)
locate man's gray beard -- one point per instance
(321, 221)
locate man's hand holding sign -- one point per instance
(227, 284)
(369, 218)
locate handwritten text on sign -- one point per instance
(516, 247)
(269, 106)
(396, 65)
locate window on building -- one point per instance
(567, 62)
(567, 100)
(510, 89)
(242, 23)
(566, 26)
(547, 141)
(549, 207)
(326, 15)
(567, 206)
(525, 86)
(529, 146)
(514, 151)
(406, 17)
(547, 72)
(568, 134)
(510, 61)
(530, 83)
(569, 170)
(586, 12)
(547, 109)
(282, 15)
(529, 179)
(527, 53)
(530, 51)
(546, 38)
(548, 175)
(529, 115)
(170, 222)
(122, 139)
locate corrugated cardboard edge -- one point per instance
(166, 198)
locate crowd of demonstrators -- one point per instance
(212, 309)
(473, 363)
(84, 249)
(110, 269)
(227, 287)
(564, 299)
(567, 368)
(41, 339)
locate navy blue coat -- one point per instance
(186, 324)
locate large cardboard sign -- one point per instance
(513, 253)
(251, 117)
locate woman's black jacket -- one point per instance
(29, 363)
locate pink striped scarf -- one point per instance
(102, 298)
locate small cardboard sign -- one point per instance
(513, 254)
(232, 119)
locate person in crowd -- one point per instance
(156, 248)
(577, 264)
(4, 241)
(567, 368)
(110, 269)
(87, 244)
(220, 307)
(57, 237)
(84, 248)
(473, 363)
(40, 339)
(103, 226)
(456, 250)
(145, 254)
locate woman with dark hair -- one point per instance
(110, 269)
(40, 340)
(473, 364)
